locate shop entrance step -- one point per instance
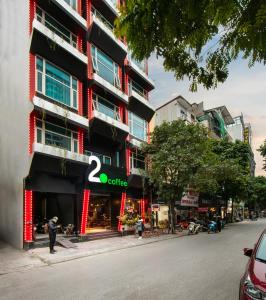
(66, 243)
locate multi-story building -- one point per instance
(75, 111)
(177, 108)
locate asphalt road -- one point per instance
(202, 267)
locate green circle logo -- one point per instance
(103, 178)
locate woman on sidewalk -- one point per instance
(140, 227)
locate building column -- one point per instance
(81, 141)
(32, 126)
(85, 208)
(122, 210)
(142, 209)
(28, 226)
(80, 98)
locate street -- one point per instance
(202, 267)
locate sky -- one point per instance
(243, 92)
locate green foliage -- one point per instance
(175, 153)
(196, 38)
(257, 191)
(262, 151)
(225, 171)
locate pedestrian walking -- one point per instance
(140, 227)
(52, 227)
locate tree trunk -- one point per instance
(232, 215)
(172, 216)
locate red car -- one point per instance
(253, 283)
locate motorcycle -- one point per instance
(212, 227)
(193, 228)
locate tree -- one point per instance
(196, 38)
(175, 153)
(226, 170)
(257, 192)
(262, 151)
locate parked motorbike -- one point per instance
(193, 228)
(179, 227)
(212, 227)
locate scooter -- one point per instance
(193, 228)
(212, 227)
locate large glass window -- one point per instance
(104, 106)
(137, 161)
(138, 127)
(57, 136)
(72, 3)
(56, 84)
(56, 27)
(105, 159)
(105, 67)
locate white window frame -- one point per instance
(71, 4)
(131, 124)
(43, 130)
(43, 91)
(102, 157)
(116, 82)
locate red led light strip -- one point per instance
(142, 206)
(122, 209)
(84, 217)
(28, 216)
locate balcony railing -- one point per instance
(104, 106)
(72, 3)
(140, 64)
(105, 159)
(105, 67)
(101, 18)
(133, 86)
(56, 27)
(56, 136)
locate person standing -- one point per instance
(52, 227)
(140, 227)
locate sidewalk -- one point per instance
(13, 260)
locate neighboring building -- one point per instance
(76, 110)
(177, 108)
(241, 131)
(215, 120)
(236, 130)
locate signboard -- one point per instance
(105, 176)
(190, 199)
(203, 209)
(246, 135)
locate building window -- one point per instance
(56, 84)
(105, 159)
(138, 127)
(183, 115)
(140, 64)
(137, 161)
(133, 86)
(56, 27)
(106, 107)
(105, 67)
(72, 3)
(57, 136)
